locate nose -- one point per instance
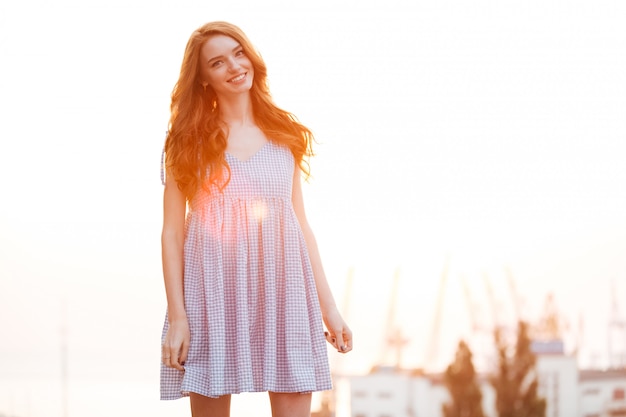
(233, 65)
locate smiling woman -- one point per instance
(247, 295)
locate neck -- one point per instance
(236, 110)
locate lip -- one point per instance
(238, 78)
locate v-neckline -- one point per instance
(250, 157)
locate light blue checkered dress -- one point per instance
(250, 294)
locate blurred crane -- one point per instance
(471, 307)
(552, 325)
(394, 339)
(433, 345)
(481, 336)
(580, 335)
(493, 303)
(517, 300)
(616, 334)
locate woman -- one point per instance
(247, 295)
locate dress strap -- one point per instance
(163, 179)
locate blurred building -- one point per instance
(569, 392)
(602, 393)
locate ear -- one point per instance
(204, 85)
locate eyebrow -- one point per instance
(221, 56)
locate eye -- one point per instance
(216, 64)
(240, 52)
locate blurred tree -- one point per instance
(460, 379)
(516, 381)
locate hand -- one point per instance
(176, 345)
(338, 334)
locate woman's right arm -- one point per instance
(176, 343)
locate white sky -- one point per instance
(490, 132)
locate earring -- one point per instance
(204, 84)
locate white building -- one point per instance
(602, 393)
(558, 379)
(389, 392)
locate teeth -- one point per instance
(238, 78)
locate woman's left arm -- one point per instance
(339, 335)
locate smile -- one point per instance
(238, 78)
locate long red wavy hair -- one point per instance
(196, 139)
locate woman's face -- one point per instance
(225, 66)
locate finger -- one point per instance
(340, 343)
(175, 360)
(347, 345)
(347, 338)
(171, 358)
(331, 339)
(176, 365)
(166, 356)
(184, 352)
